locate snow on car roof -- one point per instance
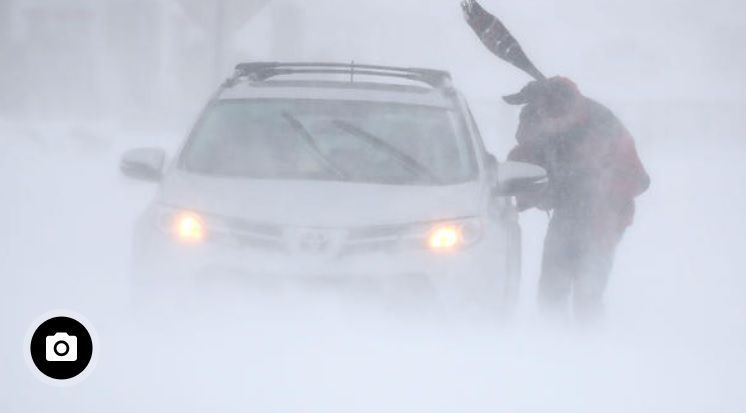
(339, 90)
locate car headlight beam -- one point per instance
(445, 237)
(188, 227)
(451, 236)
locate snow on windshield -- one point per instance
(331, 140)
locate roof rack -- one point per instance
(260, 71)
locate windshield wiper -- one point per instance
(405, 160)
(310, 143)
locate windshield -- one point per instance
(372, 142)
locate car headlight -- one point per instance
(452, 236)
(187, 227)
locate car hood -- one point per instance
(319, 203)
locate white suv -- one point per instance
(315, 173)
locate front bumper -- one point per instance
(475, 273)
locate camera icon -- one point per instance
(61, 347)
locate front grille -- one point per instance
(341, 243)
(256, 228)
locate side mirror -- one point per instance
(145, 164)
(520, 178)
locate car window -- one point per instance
(373, 142)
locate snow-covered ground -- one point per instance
(674, 339)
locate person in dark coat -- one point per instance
(595, 175)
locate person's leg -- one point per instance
(593, 275)
(559, 264)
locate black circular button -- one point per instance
(61, 348)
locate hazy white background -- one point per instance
(73, 100)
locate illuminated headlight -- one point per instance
(451, 236)
(187, 227)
